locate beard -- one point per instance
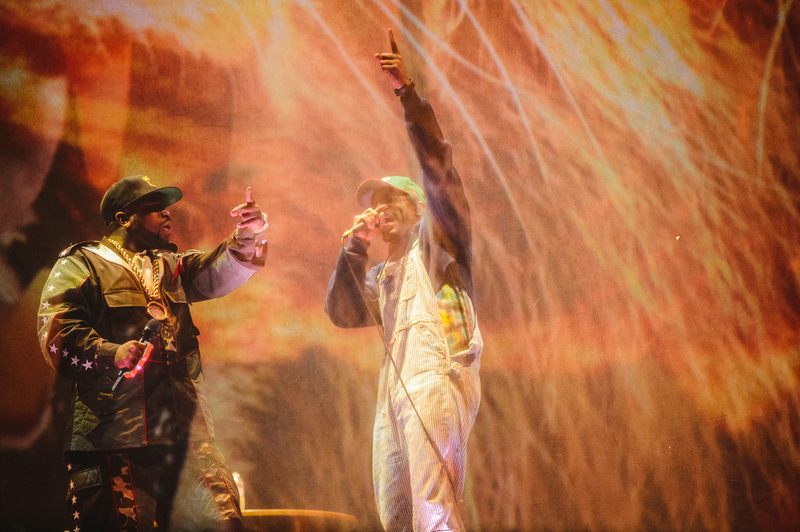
(144, 238)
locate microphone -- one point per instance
(149, 334)
(359, 227)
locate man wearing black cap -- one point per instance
(422, 297)
(140, 450)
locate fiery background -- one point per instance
(633, 174)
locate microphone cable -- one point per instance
(391, 358)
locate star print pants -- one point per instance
(166, 488)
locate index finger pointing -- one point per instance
(248, 196)
(393, 43)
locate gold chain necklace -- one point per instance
(154, 292)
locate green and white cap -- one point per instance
(368, 187)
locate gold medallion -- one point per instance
(157, 310)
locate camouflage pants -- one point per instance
(164, 488)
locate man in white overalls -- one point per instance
(422, 297)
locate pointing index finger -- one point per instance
(393, 43)
(249, 195)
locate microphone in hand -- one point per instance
(360, 227)
(149, 335)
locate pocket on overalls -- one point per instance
(407, 311)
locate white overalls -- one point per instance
(412, 488)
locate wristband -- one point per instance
(405, 88)
(263, 227)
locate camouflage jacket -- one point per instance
(93, 302)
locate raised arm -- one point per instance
(218, 272)
(447, 206)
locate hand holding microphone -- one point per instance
(360, 227)
(144, 347)
(367, 224)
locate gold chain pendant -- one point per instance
(155, 309)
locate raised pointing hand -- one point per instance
(393, 64)
(252, 218)
(250, 213)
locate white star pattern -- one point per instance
(64, 354)
(44, 335)
(71, 485)
(77, 529)
(69, 467)
(87, 365)
(74, 499)
(57, 275)
(53, 348)
(44, 320)
(74, 361)
(63, 262)
(45, 305)
(51, 288)
(76, 515)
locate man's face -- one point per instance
(399, 212)
(150, 224)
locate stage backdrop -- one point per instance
(632, 171)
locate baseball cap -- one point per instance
(129, 189)
(368, 187)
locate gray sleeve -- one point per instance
(219, 278)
